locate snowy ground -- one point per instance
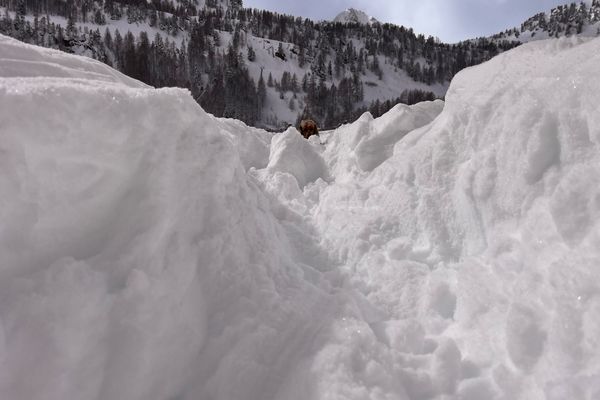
(442, 251)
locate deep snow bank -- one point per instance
(480, 236)
(21, 60)
(138, 261)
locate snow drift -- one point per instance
(482, 230)
(138, 260)
(151, 251)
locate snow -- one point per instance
(394, 82)
(290, 153)
(482, 227)
(352, 15)
(277, 112)
(18, 60)
(442, 251)
(115, 282)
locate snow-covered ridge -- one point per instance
(582, 19)
(443, 251)
(18, 59)
(354, 16)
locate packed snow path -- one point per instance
(442, 251)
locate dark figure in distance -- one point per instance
(308, 128)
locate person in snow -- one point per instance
(308, 128)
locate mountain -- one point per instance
(354, 16)
(581, 19)
(328, 71)
(267, 69)
(151, 251)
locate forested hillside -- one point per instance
(263, 68)
(564, 20)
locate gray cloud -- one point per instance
(450, 20)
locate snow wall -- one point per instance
(443, 251)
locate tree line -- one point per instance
(335, 56)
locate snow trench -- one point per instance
(443, 251)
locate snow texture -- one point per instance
(443, 251)
(24, 61)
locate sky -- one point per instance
(450, 20)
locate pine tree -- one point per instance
(71, 28)
(152, 18)
(236, 5)
(337, 64)
(251, 54)
(235, 42)
(99, 18)
(129, 66)
(261, 92)
(294, 84)
(285, 81)
(143, 55)
(301, 57)
(21, 10)
(305, 83)
(376, 68)
(280, 52)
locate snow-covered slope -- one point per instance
(137, 257)
(481, 232)
(151, 251)
(582, 19)
(18, 60)
(281, 107)
(354, 16)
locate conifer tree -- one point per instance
(261, 92)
